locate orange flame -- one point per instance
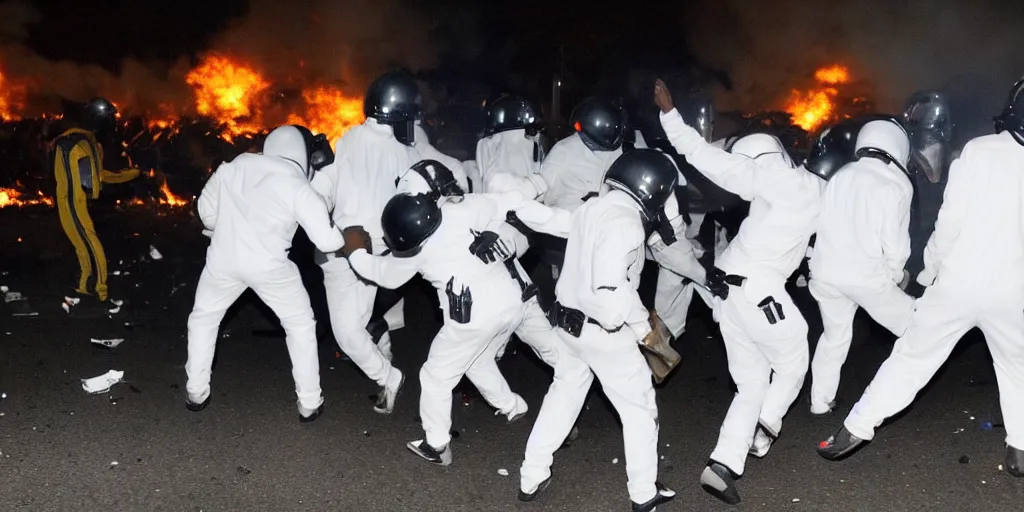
(810, 109)
(169, 198)
(12, 99)
(329, 111)
(10, 197)
(228, 92)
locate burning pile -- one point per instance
(824, 103)
(231, 101)
(11, 197)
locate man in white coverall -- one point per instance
(253, 206)
(862, 246)
(974, 271)
(507, 243)
(511, 142)
(393, 318)
(575, 167)
(765, 334)
(601, 320)
(370, 158)
(481, 301)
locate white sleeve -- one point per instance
(735, 173)
(311, 212)
(896, 233)
(209, 198)
(545, 219)
(950, 221)
(612, 292)
(386, 271)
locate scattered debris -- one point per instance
(796, 500)
(964, 459)
(503, 472)
(102, 383)
(3, 395)
(155, 254)
(111, 343)
(113, 464)
(801, 282)
(242, 470)
(18, 304)
(615, 460)
(1000, 468)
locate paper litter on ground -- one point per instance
(102, 383)
(108, 343)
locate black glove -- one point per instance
(489, 248)
(513, 220)
(716, 283)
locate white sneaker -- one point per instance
(822, 409)
(517, 412)
(763, 439)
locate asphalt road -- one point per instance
(137, 448)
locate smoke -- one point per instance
(348, 43)
(968, 49)
(344, 44)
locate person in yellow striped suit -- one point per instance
(78, 168)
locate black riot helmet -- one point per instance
(408, 221)
(600, 123)
(833, 149)
(99, 116)
(437, 180)
(1012, 118)
(394, 99)
(930, 127)
(648, 176)
(699, 113)
(510, 112)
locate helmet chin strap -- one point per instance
(878, 154)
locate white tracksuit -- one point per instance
(603, 257)
(253, 205)
(862, 246)
(976, 258)
(496, 312)
(767, 361)
(505, 152)
(356, 187)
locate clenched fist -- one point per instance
(355, 238)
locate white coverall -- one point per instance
(509, 152)
(603, 257)
(356, 187)
(496, 312)
(862, 246)
(572, 170)
(253, 206)
(976, 258)
(767, 361)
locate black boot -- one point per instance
(1014, 461)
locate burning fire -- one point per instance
(235, 95)
(810, 109)
(228, 91)
(329, 112)
(12, 99)
(11, 197)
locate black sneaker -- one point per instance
(308, 416)
(719, 482)
(1014, 461)
(840, 445)
(442, 457)
(664, 495)
(530, 496)
(197, 406)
